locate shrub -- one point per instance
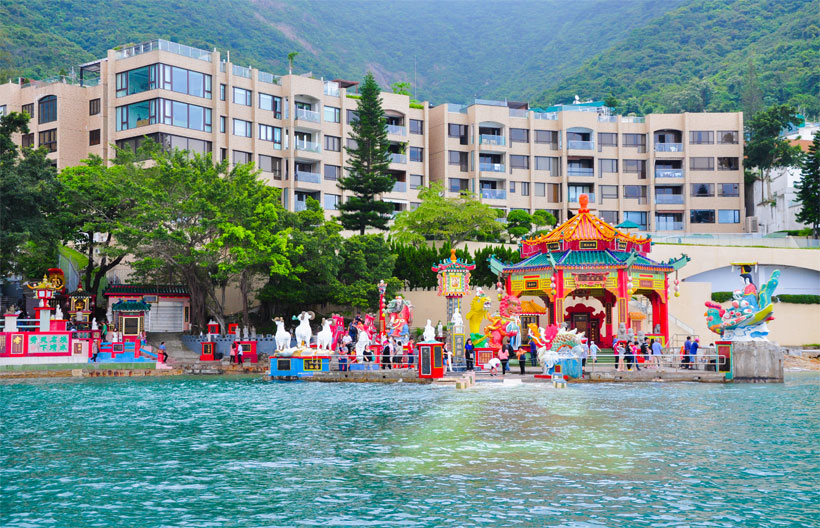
(721, 296)
(798, 299)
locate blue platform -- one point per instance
(570, 367)
(122, 353)
(298, 366)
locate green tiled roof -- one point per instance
(130, 306)
(536, 261)
(588, 258)
(145, 289)
(584, 258)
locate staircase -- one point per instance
(178, 354)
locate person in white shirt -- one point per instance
(593, 352)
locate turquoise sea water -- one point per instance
(245, 453)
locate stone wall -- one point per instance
(757, 362)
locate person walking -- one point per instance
(584, 354)
(522, 359)
(163, 352)
(687, 346)
(533, 353)
(645, 349)
(448, 358)
(233, 352)
(398, 354)
(95, 349)
(469, 353)
(620, 351)
(657, 352)
(239, 352)
(385, 359)
(693, 354)
(411, 352)
(504, 355)
(593, 352)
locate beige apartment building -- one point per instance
(665, 172)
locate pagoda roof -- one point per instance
(586, 259)
(529, 307)
(130, 306)
(453, 264)
(176, 290)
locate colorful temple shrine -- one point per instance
(586, 258)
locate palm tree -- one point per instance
(292, 55)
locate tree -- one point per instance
(369, 163)
(402, 88)
(519, 223)
(808, 188)
(543, 218)
(450, 219)
(610, 101)
(365, 260)
(765, 149)
(29, 209)
(291, 57)
(752, 96)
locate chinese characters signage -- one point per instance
(48, 344)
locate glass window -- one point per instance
(265, 132)
(728, 164)
(703, 189)
(607, 139)
(701, 137)
(265, 163)
(94, 107)
(635, 167)
(240, 157)
(352, 116)
(458, 184)
(241, 128)
(416, 126)
(547, 136)
(609, 192)
(242, 96)
(27, 109)
(416, 181)
(332, 201)
(351, 143)
(512, 187)
(222, 120)
(727, 137)
(610, 217)
(608, 166)
(333, 143)
(137, 80)
(333, 114)
(48, 139)
(47, 109)
(519, 162)
(554, 192)
(702, 216)
(728, 216)
(94, 137)
(3, 110)
(457, 131)
(179, 81)
(455, 157)
(136, 115)
(180, 114)
(635, 191)
(635, 140)
(416, 154)
(332, 172)
(574, 191)
(265, 101)
(704, 164)
(196, 117)
(519, 135)
(728, 189)
(540, 189)
(639, 217)
(221, 92)
(525, 188)
(552, 165)
(196, 84)
(28, 140)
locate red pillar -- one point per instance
(559, 297)
(622, 300)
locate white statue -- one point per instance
(325, 336)
(282, 336)
(303, 331)
(244, 333)
(429, 332)
(361, 345)
(94, 324)
(253, 332)
(58, 313)
(457, 320)
(439, 329)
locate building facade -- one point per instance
(667, 173)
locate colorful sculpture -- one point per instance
(479, 308)
(324, 339)
(303, 331)
(453, 281)
(282, 336)
(400, 315)
(504, 324)
(746, 317)
(555, 343)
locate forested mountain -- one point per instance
(649, 54)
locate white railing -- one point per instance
(668, 147)
(632, 119)
(308, 146)
(517, 112)
(164, 45)
(491, 167)
(488, 139)
(494, 194)
(668, 226)
(397, 130)
(580, 171)
(398, 158)
(669, 173)
(549, 116)
(332, 88)
(581, 145)
(308, 177)
(300, 206)
(736, 239)
(671, 360)
(308, 115)
(400, 186)
(241, 71)
(607, 118)
(266, 77)
(669, 198)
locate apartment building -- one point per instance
(671, 172)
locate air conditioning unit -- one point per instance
(751, 224)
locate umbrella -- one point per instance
(628, 224)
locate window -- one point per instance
(635, 192)
(333, 114)
(332, 201)
(455, 157)
(458, 184)
(702, 216)
(639, 217)
(728, 189)
(166, 112)
(417, 126)
(457, 131)
(540, 189)
(266, 163)
(607, 139)
(519, 162)
(3, 110)
(575, 191)
(609, 192)
(94, 137)
(271, 103)
(547, 136)
(28, 140)
(636, 167)
(728, 216)
(525, 188)
(635, 140)
(27, 109)
(332, 172)
(240, 158)
(222, 89)
(728, 164)
(704, 164)
(554, 192)
(610, 217)
(222, 120)
(352, 116)
(416, 181)
(137, 80)
(727, 137)
(223, 154)
(701, 137)
(700, 190)
(48, 139)
(519, 135)
(414, 205)
(94, 107)
(551, 165)
(266, 132)
(242, 96)
(416, 154)
(512, 187)
(47, 109)
(242, 128)
(333, 143)
(351, 144)
(608, 166)
(165, 77)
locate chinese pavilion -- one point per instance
(585, 258)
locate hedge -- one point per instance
(721, 296)
(785, 298)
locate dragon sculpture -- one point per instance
(555, 342)
(399, 318)
(505, 323)
(746, 317)
(479, 308)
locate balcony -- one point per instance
(491, 167)
(494, 194)
(300, 206)
(668, 226)
(308, 177)
(164, 45)
(633, 119)
(669, 199)
(549, 116)
(487, 139)
(668, 173)
(400, 187)
(398, 158)
(397, 130)
(308, 115)
(668, 147)
(580, 145)
(308, 146)
(332, 88)
(580, 171)
(518, 112)
(607, 119)
(241, 71)
(266, 77)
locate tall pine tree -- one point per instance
(808, 188)
(368, 174)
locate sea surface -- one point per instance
(201, 452)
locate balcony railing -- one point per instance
(669, 198)
(549, 116)
(241, 71)
(494, 194)
(332, 88)
(489, 139)
(164, 45)
(518, 112)
(308, 146)
(633, 119)
(397, 130)
(308, 177)
(668, 147)
(398, 158)
(300, 206)
(308, 115)
(581, 145)
(607, 119)
(266, 77)
(491, 167)
(400, 186)
(668, 226)
(669, 173)
(580, 171)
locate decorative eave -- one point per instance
(679, 262)
(130, 306)
(453, 265)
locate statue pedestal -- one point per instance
(757, 362)
(11, 323)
